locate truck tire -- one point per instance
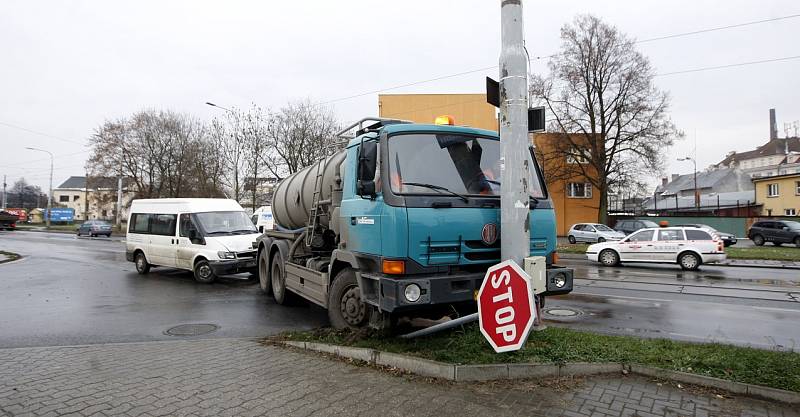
(203, 272)
(277, 278)
(345, 308)
(142, 267)
(263, 272)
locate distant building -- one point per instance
(101, 194)
(574, 199)
(720, 191)
(779, 195)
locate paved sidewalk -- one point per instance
(235, 377)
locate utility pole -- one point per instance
(514, 169)
(696, 193)
(118, 215)
(4, 192)
(50, 195)
(86, 197)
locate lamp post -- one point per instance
(696, 196)
(219, 107)
(50, 194)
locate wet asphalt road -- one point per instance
(69, 291)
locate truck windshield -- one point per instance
(469, 165)
(226, 223)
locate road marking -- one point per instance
(788, 310)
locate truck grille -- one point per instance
(460, 251)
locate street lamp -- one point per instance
(218, 106)
(50, 195)
(696, 196)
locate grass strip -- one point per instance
(776, 369)
(769, 253)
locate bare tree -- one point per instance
(612, 119)
(300, 134)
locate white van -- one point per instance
(208, 236)
(262, 218)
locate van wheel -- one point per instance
(142, 267)
(689, 261)
(758, 240)
(609, 257)
(277, 278)
(571, 239)
(345, 308)
(203, 272)
(263, 273)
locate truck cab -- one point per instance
(417, 223)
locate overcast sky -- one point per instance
(65, 67)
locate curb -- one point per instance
(580, 257)
(492, 372)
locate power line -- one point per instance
(676, 35)
(739, 64)
(85, 151)
(714, 29)
(40, 133)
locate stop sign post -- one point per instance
(506, 306)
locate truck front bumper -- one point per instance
(388, 293)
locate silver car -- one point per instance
(592, 232)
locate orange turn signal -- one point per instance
(555, 257)
(444, 120)
(394, 267)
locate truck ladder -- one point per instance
(313, 220)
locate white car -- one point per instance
(687, 246)
(592, 232)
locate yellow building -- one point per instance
(573, 198)
(778, 195)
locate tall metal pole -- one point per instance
(514, 169)
(119, 203)
(50, 195)
(4, 192)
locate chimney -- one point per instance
(773, 126)
(664, 181)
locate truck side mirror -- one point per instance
(367, 162)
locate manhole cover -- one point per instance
(191, 329)
(562, 312)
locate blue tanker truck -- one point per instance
(404, 219)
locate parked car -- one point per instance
(727, 238)
(95, 228)
(689, 247)
(776, 231)
(631, 225)
(8, 221)
(592, 232)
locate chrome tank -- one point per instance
(291, 203)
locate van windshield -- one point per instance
(225, 223)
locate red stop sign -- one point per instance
(506, 306)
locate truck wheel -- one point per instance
(278, 280)
(263, 273)
(203, 272)
(142, 267)
(345, 308)
(758, 240)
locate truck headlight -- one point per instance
(559, 280)
(226, 255)
(412, 293)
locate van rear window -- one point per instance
(140, 223)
